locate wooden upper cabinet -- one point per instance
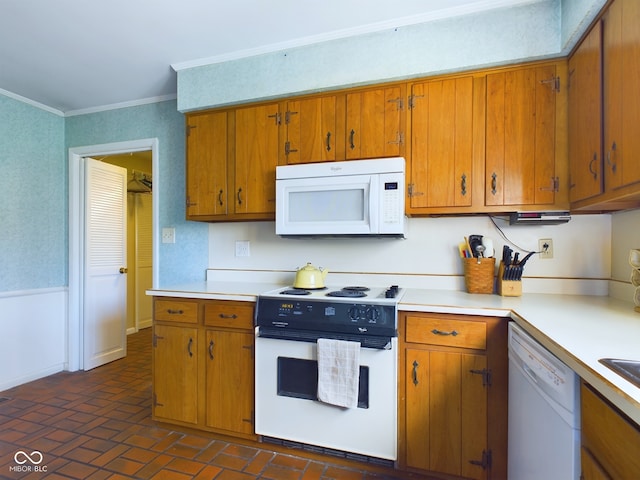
(441, 143)
(311, 130)
(375, 123)
(621, 40)
(585, 118)
(207, 164)
(521, 136)
(256, 156)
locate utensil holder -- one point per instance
(478, 274)
(508, 288)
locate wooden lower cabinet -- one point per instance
(453, 395)
(175, 373)
(610, 440)
(203, 371)
(229, 385)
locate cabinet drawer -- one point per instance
(185, 311)
(446, 332)
(229, 314)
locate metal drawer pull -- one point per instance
(328, 141)
(414, 372)
(232, 316)
(174, 312)
(239, 197)
(352, 134)
(211, 344)
(189, 347)
(220, 197)
(435, 331)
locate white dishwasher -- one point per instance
(544, 412)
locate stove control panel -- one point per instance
(348, 317)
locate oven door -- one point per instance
(287, 409)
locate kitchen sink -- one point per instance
(627, 369)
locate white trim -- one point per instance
(76, 230)
(443, 13)
(115, 106)
(33, 103)
(33, 291)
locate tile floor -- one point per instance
(97, 425)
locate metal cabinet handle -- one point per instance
(612, 151)
(239, 197)
(352, 134)
(174, 312)
(328, 141)
(123, 270)
(189, 347)
(220, 197)
(463, 184)
(494, 183)
(435, 331)
(414, 372)
(232, 316)
(211, 344)
(592, 163)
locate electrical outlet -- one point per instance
(168, 235)
(545, 247)
(242, 248)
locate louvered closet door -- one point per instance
(105, 285)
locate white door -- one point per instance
(105, 254)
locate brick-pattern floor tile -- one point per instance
(97, 425)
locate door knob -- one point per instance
(123, 270)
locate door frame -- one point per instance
(75, 316)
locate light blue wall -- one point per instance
(186, 260)
(494, 37)
(33, 198)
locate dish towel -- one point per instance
(338, 372)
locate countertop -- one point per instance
(579, 330)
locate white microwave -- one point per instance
(352, 198)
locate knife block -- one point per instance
(508, 288)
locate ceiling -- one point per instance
(76, 56)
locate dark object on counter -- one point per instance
(475, 241)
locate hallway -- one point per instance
(97, 425)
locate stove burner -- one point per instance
(357, 288)
(350, 292)
(295, 291)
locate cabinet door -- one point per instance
(256, 157)
(311, 130)
(585, 118)
(441, 143)
(229, 389)
(207, 164)
(374, 123)
(175, 373)
(591, 469)
(446, 412)
(520, 137)
(621, 41)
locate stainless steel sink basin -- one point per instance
(627, 369)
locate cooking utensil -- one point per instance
(488, 247)
(480, 249)
(310, 277)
